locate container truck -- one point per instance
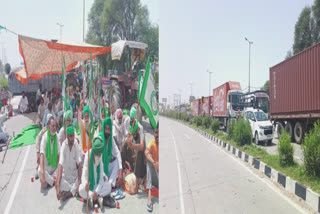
(226, 102)
(295, 93)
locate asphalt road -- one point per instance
(201, 178)
(19, 195)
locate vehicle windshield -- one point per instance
(260, 116)
(263, 104)
(235, 98)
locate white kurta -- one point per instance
(61, 136)
(23, 104)
(103, 188)
(115, 165)
(119, 133)
(69, 160)
(48, 170)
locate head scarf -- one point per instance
(103, 109)
(85, 110)
(125, 112)
(97, 149)
(52, 158)
(70, 130)
(67, 114)
(134, 128)
(107, 152)
(132, 112)
(119, 113)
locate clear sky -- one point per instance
(209, 34)
(38, 19)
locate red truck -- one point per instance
(205, 106)
(227, 102)
(295, 93)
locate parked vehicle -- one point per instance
(261, 126)
(226, 102)
(295, 93)
(257, 100)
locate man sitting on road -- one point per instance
(49, 155)
(38, 143)
(84, 127)
(119, 130)
(23, 105)
(46, 112)
(136, 142)
(98, 186)
(67, 119)
(41, 110)
(152, 156)
(69, 168)
(111, 157)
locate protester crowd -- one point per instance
(92, 155)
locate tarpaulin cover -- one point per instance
(44, 57)
(138, 49)
(26, 137)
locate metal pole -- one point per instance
(250, 43)
(83, 20)
(60, 25)
(209, 81)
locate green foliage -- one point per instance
(303, 31)
(4, 83)
(311, 151)
(242, 132)
(266, 87)
(206, 121)
(112, 20)
(230, 128)
(289, 54)
(198, 121)
(285, 150)
(215, 125)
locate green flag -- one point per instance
(148, 97)
(64, 96)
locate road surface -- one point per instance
(19, 195)
(201, 178)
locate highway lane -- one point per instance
(210, 181)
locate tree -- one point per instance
(289, 54)
(316, 18)
(304, 30)
(266, 87)
(1, 66)
(112, 20)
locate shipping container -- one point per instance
(226, 102)
(195, 107)
(295, 92)
(204, 109)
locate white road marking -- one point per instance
(270, 185)
(187, 136)
(13, 194)
(179, 174)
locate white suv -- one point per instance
(260, 125)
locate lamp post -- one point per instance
(60, 25)
(83, 20)
(250, 43)
(210, 72)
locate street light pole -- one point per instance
(84, 5)
(210, 72)
(60, 25)
(250, 43)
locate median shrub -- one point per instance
(215, 125)
(311, 151)
(241, 133)
(206, 121)
(285, 150)
(198, 121)
(230, 128)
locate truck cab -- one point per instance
(233, 103)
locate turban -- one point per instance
(86, 109)
(125, 112)
(97, 146)
(132, 112)
(70, 130)
(119, 113)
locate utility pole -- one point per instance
(210, 72)
(250, 43)
(84, 6)
(60, 25)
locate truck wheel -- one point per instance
(280, 126)
(298, 132)
(256, 138)
(289, 129)
(115, 95)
